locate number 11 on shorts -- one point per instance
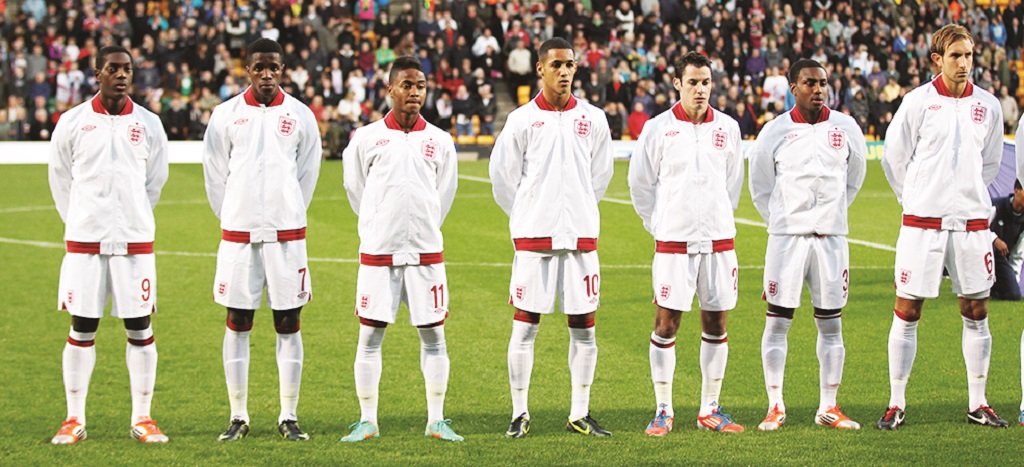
(438, 291)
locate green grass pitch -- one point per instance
(192, 408)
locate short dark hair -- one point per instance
(794, 71)
(101, 56)
(1016, 185)
(553, 43)
(262, 45)
(694, 59)
(405, 62)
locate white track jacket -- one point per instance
(804, 176)
(941, 153)
(401, 185)
(261, 163)
(106, 172)
(549, 170)
(686, 179)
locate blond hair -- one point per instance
(947, 35)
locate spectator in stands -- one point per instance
(1011, 110)
(637, 119)
(520, 68)
(487, 110)
(464, 108)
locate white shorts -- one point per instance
(423, 288)
(244, 269)
(88, 281)
(539, 276)
(922, 253)
(822, 262)
(712, 276)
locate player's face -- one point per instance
(557, 69)
(265, 70)
(809, 89)
(957, 62)
(407, 90)
(694, 88)
(115, 76)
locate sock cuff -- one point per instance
(662, 342)
(140, 336)
(904, 317)
(237, 328)
(287, 330)
(713, 339)
(975, 324)
(81, 339)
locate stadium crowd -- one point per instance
(188, 56)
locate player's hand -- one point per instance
(1001, 247)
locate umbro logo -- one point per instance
(671, 133)
(538, 124)
(88, 128)
(934, 107)
(241, 121)
(791, 136)
(383, 142)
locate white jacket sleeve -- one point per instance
(856, 165)
(216, 152)
(506, 167)
(308, 159)
(60, 169)
(900, 142)
(156, 167)
(448, 180)
(992, 153)
(355, 170)
(762, 173)
(602, 163)
(734, 171)
(643, 178)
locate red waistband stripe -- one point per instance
(145, 248)
(717, 246)
(388, 260)
(282, 235)
(545, 243)
(935, 223)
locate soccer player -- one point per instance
(549, 168)
(108, 163)
(261, 160)
(942, 150)
(400, 175)
(686, 200)
(806, 168)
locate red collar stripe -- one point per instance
(545, 105)
(799, 118)
(97, 106)
(250, 98)
(681, 115)
(940, 87)
(392, 123)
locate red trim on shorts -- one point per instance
(935, 223)
(433, 325)
(141, 342)
(282, 235)
(545, 243)
(574, 324)
(717, 246)
(663, 346)
(284, 330)
(531, 318)
(372, 323)
(715, 341)
(78, 343)
(388, 260)
(837, 315)
(145, 248)
(235, 328)
(903, 316)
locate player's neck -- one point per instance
(265, 100)
(697, 115)
(810, 115)
(406, 120)
(113, 105)
(557, 101)
(955, 89)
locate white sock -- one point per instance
(368, 369)
(141, 357)
(289, 373)
(663, 370)
(714, 354)
(977, 348)
(236, 372)
(831, 357)
(435, 366)
(902, 350)
(78, 360)
(520, 365)
(774, 347)
(582, 364)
